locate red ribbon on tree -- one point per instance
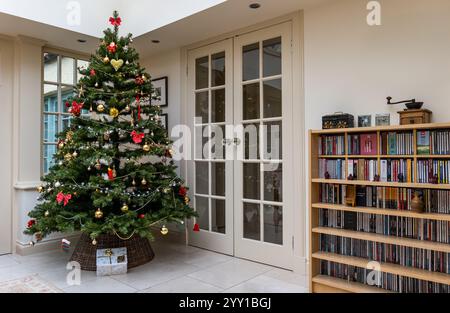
(115, 21)
(137, 137)
(76, 108)
(138, 100)
(60, 197)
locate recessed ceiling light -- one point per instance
(81, 40)
(156, 41)
(255, 6)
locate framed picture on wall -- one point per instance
(165, 121)
(161, 88)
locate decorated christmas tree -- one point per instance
(113, 171)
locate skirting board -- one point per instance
(55, 244)
(44, 246)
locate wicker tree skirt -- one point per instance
(139, 250)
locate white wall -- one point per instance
(6, 95)
(353, 67)
(168, 64)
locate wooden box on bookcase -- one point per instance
(324, 283)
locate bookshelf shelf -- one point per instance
(441, 278)
(407, 242)
(321, 283)
(389, 212)
(413, 161)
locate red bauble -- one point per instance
(67, 104)
(139, 80)
(31, 223)
(141, 216)
(112, 47)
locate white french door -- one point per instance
(253, 97)
(210, 174)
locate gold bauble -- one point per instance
(68, 157)
(133, 182)
(75, 154)
(105, 59)
(127, 108)
(124, 208)
(40, 189)
(94, 242)
(146, 147)
(186, 200)
(69, 135)
(61, 145)
(100, 108)
(47, 213)
(113, 112)
(143, 182)
(164, 230)
(98, 214)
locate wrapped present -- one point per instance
(112, 261)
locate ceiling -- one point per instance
(181, 27)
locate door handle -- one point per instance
(227, 142)
(237, 141)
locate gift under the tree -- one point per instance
(112, 261)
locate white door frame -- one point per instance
(208, 239)
(274, 254)
(299, 140)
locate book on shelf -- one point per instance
(402, 227)
(440, 142)
(368, 144)
(396, 170)
(353, 144)
(392, 282)
(362, 169)
(397, 143)
(435, 261)
(435, 200)
(332, 145)
(433, 171)
(334, 168)
(423, 142)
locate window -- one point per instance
(60, 77)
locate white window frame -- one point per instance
(59, 112)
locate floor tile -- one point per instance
(154, 273)
(266, 284)
(100, 285)
(231, 273)
(288, 276)
(182, 285)
(59, 277)
(7, 260)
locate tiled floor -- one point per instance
(176, 268)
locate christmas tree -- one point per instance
(113, 171)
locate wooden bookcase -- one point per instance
(323, 283)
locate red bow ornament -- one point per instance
(60, 197)
(112, 47)
(137, 137)
(76, 108)
(182, 191)
(115, 21)
(92, 72)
